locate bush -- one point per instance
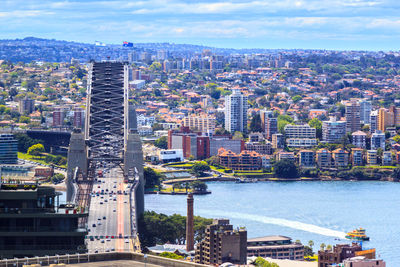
(171, 255)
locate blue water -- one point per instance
(318, 211)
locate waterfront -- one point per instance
(318, 211)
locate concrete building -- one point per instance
(263, 149)
(222, 244)
(300, 131)
(372, 157)
(278, 141)
(269, 123)
(333, 131)
(33, 224)
(306, 159)
(353, 122)
(301, 142)
(285, 155)
(357, 156)
(359, 139)
(246, 160)
(204, 124)
(365, 111)
(337, 254)
(387, 158)
(361, 261)
(275, 247)
(216, 142)
(26, 106)
(170, 155)
(378, 140)
(58, 117)
(340, 158)
(79, 118)
(8, 149)
(236, 112)
(373, 121)
(324, 158)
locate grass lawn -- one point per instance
(25, 156)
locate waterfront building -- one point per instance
(306, 159)
(275, 247)
(353, 122)
(301, 142)
(300, 131)
(357, 156)
(359, 139)
(278, 141)
(222, 244)
(365, 111)
(333, 131)
(216, 142)
(361, 261)
(26, 106)
(8, 149)
(387, 158)
(246, 160)
(34, 224)
(324, 158)
(236, 112)
(340, 158)
(337, 254)
(269, 123)
(285, 155)
(373, 121)
(372, 157)
(378, 140)
(263, 149)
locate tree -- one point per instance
(396, 174)
(199, 168)
(310, 243)
(296, 98)
(308, 251)
(286, 168)
(57, 178)
(24, 119)
(329, 247)
(261, 262)
(161, 142)
(238, 136)
(199, 186)
(317, 124)
(155, 66)
(215, 93)
(24, 142)
(255, 124)
(151, 177)
(322, 246)
(213, 161)
(36, 150)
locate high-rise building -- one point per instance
(278, 141)
(353, 122)
(300, 131)
(269, 123)
(8, 149)
(58, 117)
(222, 244)
(236, 112)
(385, 119)
(204, 124)
(359, 139)
(378, 140)
(333, 131)
(26, 106)
(365, 111)
(373, 121)
(79, 118)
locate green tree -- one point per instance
(238, 136)
(310, 243)
(36, 150)
(213, 161)
(261, 262)
(286, 168)
(215, 93)
(199, 186)
(24, 119)
(255, 124)
(151, 177)
(161, 142)
(199, 168)
(322, 246)
(296, 98)
(155, 66)
(317, 124)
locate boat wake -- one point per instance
(287, 223)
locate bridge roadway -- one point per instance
(109, 214)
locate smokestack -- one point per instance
(189, 224)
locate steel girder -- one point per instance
(105, 117)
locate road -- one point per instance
(109, 214)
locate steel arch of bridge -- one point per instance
(107, 116)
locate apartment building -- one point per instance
(340, 158)
(300, 131)
(324, 158)
(353, 122)
(306, 158)
(236, 112)
(359, 139)
(333, 131)
(204, 123)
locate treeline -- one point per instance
(157, 228)
(25, 142)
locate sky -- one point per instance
(302, 24)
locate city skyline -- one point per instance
(303, 24)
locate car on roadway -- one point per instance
(114, 210)
(126, 240)
(102, 241)
(99, 223)
(101, 203)
(94, 225)
(104, 217)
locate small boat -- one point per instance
(358, 235)
(246, 180)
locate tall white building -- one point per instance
(365, 111)
(236, 112)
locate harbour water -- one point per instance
(318, 211)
